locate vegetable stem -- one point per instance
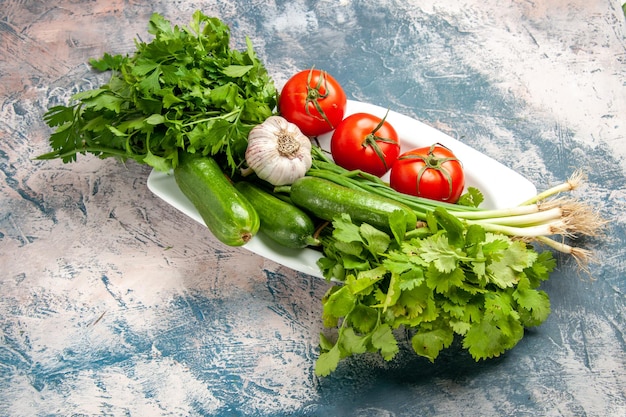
(537, 218)
(572, 183)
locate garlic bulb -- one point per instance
(278, 152)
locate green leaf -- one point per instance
(355, 263)
(325, 343)
(490, 338)
(442, 282)
(505, 271)
(438, 251)
(107, 62)
(397, 224)
(474, 236)
(451, 224)
(340, 302)
(327, 362)
(393, 292)
(484, 340)
(351, 249)
(151, 83)
(411, 278)
(117, 132)
(364, 318)
(104, 101)
(471, 198)
(170, 99)
(494, 244)
(155, 119)
(375, 240)
(541, 268)
(351, 343)
(429, 343)
(60, 116)
(384, 340)
(143, 66)
(415, 306)
(364, 281)
(157, 162)
(534, 304)
(158, 25)
(346, 231)
(225, 97)
(237, 71)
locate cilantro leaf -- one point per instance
(534, 304)
(339, 303)
(364, 318)
(375, 240)
(352, 343)
(471, 198)
(428, 343)
(328, 361)
(440, 252)
(449, 279)
(346, 231)
(384, 340)
(442, 282)
(452, 225)
(505, 271)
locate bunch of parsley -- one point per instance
(186, 90)
(441, 281)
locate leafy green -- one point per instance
(452, 282)
(186, 90)
(471, 198)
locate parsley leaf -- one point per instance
(184, 91)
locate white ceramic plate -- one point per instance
(501, 186)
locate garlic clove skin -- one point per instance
(278, 152)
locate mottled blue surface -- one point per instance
(114, 303)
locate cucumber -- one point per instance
(282, 222)
(225, 211)
(327, 200)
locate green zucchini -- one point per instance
(327, 200)
(225, 211)
(282, 222)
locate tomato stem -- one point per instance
(314, 94)
(372, 140)
(432, 161)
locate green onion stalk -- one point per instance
(547, 218)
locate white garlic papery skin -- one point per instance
(278, 152)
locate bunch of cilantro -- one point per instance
(186, 90)
(443, 280)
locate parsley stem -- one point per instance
(93, 150)
(216, 115)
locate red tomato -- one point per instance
(314, 101)
(366, 142)
(431, 172)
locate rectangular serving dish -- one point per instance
(501, 186)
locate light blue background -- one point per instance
(113, 303)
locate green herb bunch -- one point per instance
(440, 281)
(185, 90)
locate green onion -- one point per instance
(537, 219)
